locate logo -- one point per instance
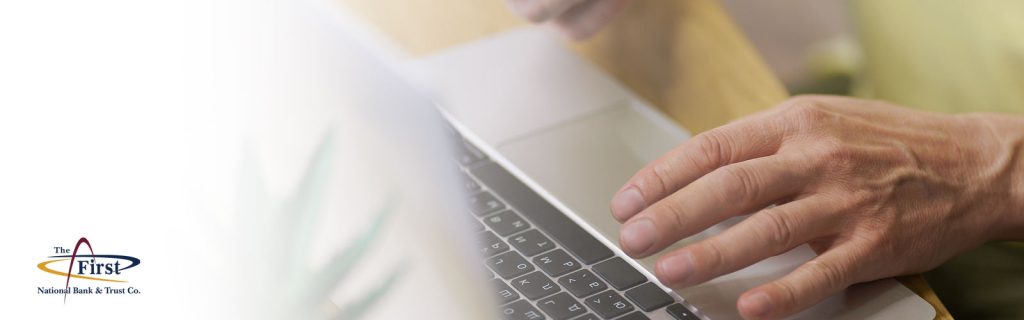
(103, 271)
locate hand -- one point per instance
(876, 190)
(578, 19)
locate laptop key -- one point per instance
(509, 265)
(619, 273)
(542, 214)
(506, 222)
(483, 203)
(582, 283)
(609, 304)
(679, 312)
(521, 310)
(634, 316)
(561, 306)
(589, 316)
(556, 263)
(504, 292)
(649, 297)
(468, 184)
(490, 244)
(535, 285)
(531, 243)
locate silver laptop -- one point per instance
(543, 140)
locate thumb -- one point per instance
(537, 11)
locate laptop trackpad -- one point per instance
(582, 163)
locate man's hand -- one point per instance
(876, 190)
(579, 19)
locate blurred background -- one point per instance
(809, 44)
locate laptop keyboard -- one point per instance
(545, 266)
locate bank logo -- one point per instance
(103, 271)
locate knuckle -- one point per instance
(836, 150)
(711, 254)
(786, 294)
(864, 233)
(833, 152)
(712, 148)
(806, 111)
(873, 237)
(672, 211)
(832, 276)
(677, 213)
(656, 176)
(737, 184)
(777, 227)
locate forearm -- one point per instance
(1006, 169)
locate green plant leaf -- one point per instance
(358, 309)
(342, 263)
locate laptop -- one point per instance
(542, 140)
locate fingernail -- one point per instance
(756, 305)
(637, 236)
(676, 269)
(627, 203)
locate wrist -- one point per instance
(1003, 171)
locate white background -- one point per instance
(124, 121)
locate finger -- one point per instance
(765, 234)
(828, 274)
(585, 19)
(540, 10)
(756, 136)
(724, 193)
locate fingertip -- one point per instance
(627, 203)
(755, 304)
(637, 236)
(675, 269)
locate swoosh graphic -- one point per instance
(134, 261)
(42, 266)
(67, 283)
